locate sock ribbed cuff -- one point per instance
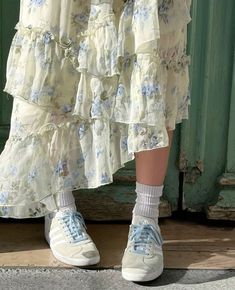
(147, 200)
(151, 190)
(65, 199)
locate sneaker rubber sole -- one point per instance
(76, 262)
(128, 275)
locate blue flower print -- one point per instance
(80, 97)
(126, 60)
(32, 175)
(67, 108)
(142, 13)
(120, 90)
(139, 129)
(124, 143)
(164, 5)
(47, 37)
(47, 91)
(75, 174)
(128, 9)
(68, 183)
(90, 173)
(83, 46)
(81, 160)
(3, 197)
(154, 141)
(4, 211)
(37, 2)
(79, 18)
(13, 169)
(16, 126)
(163, 8)
(35, 96)
(136, 128)
(105, 178)
(82, 55)
(96, 107)
(94, 12)
(61, 168)
(149, 90)
(18, 40)
(81, 130)
(99, 152)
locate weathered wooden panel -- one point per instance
(207, 141)
(187, 245)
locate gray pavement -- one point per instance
(59, 279)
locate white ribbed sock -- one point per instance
(147, 201)
(66, 200)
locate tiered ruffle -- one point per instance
(85, 101)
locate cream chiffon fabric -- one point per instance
(93, 82)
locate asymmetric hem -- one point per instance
(93, 82)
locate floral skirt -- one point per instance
(93, 81)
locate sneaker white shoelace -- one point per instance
(142, 237)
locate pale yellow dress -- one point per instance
(93, 82)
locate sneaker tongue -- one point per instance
(140, 220)
(60, 213)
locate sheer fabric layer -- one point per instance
(93, 82)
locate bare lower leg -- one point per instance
(151, 166)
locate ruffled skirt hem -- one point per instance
(86, 102)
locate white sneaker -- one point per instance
(143, 256)
(65, 232)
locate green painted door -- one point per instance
(207, 141)
(201, 172)
(9, 13)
